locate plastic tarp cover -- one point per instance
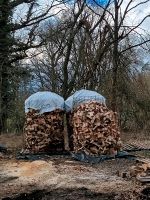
(44, 102)
(83, 96)
(81, 156)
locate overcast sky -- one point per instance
(137, 14)
(133, 18)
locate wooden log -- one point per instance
(43, 131)
(95, 129)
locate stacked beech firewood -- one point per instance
(95, 129)
(44, 132)
(70, 129)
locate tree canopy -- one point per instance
(64, 47)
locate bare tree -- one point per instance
(14, 47)
(93, 45)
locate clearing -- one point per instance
(61, 177)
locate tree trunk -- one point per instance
(115, 60)
(4, 62)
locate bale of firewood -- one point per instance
(95, 129)
(74, 100)
(44, 132)
(44, 123)
(70, 129)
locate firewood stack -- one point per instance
(44, 132)
(95, 129)
(69, 116)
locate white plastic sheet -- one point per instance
(44, 102)
(83, 96)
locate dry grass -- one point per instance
(12, 141)
(59, 172)
(138, 138)
(127, 136)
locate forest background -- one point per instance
(63, 46)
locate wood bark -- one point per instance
(95, 129)
(4, 63)
(115, 59)
(45, 132)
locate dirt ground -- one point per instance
(61, 177)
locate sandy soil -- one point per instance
(57, 172)
(63, 174)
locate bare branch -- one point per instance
(136, 45)
(16, 3)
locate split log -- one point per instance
(70, 130)
(95, 129)
(44, 132)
